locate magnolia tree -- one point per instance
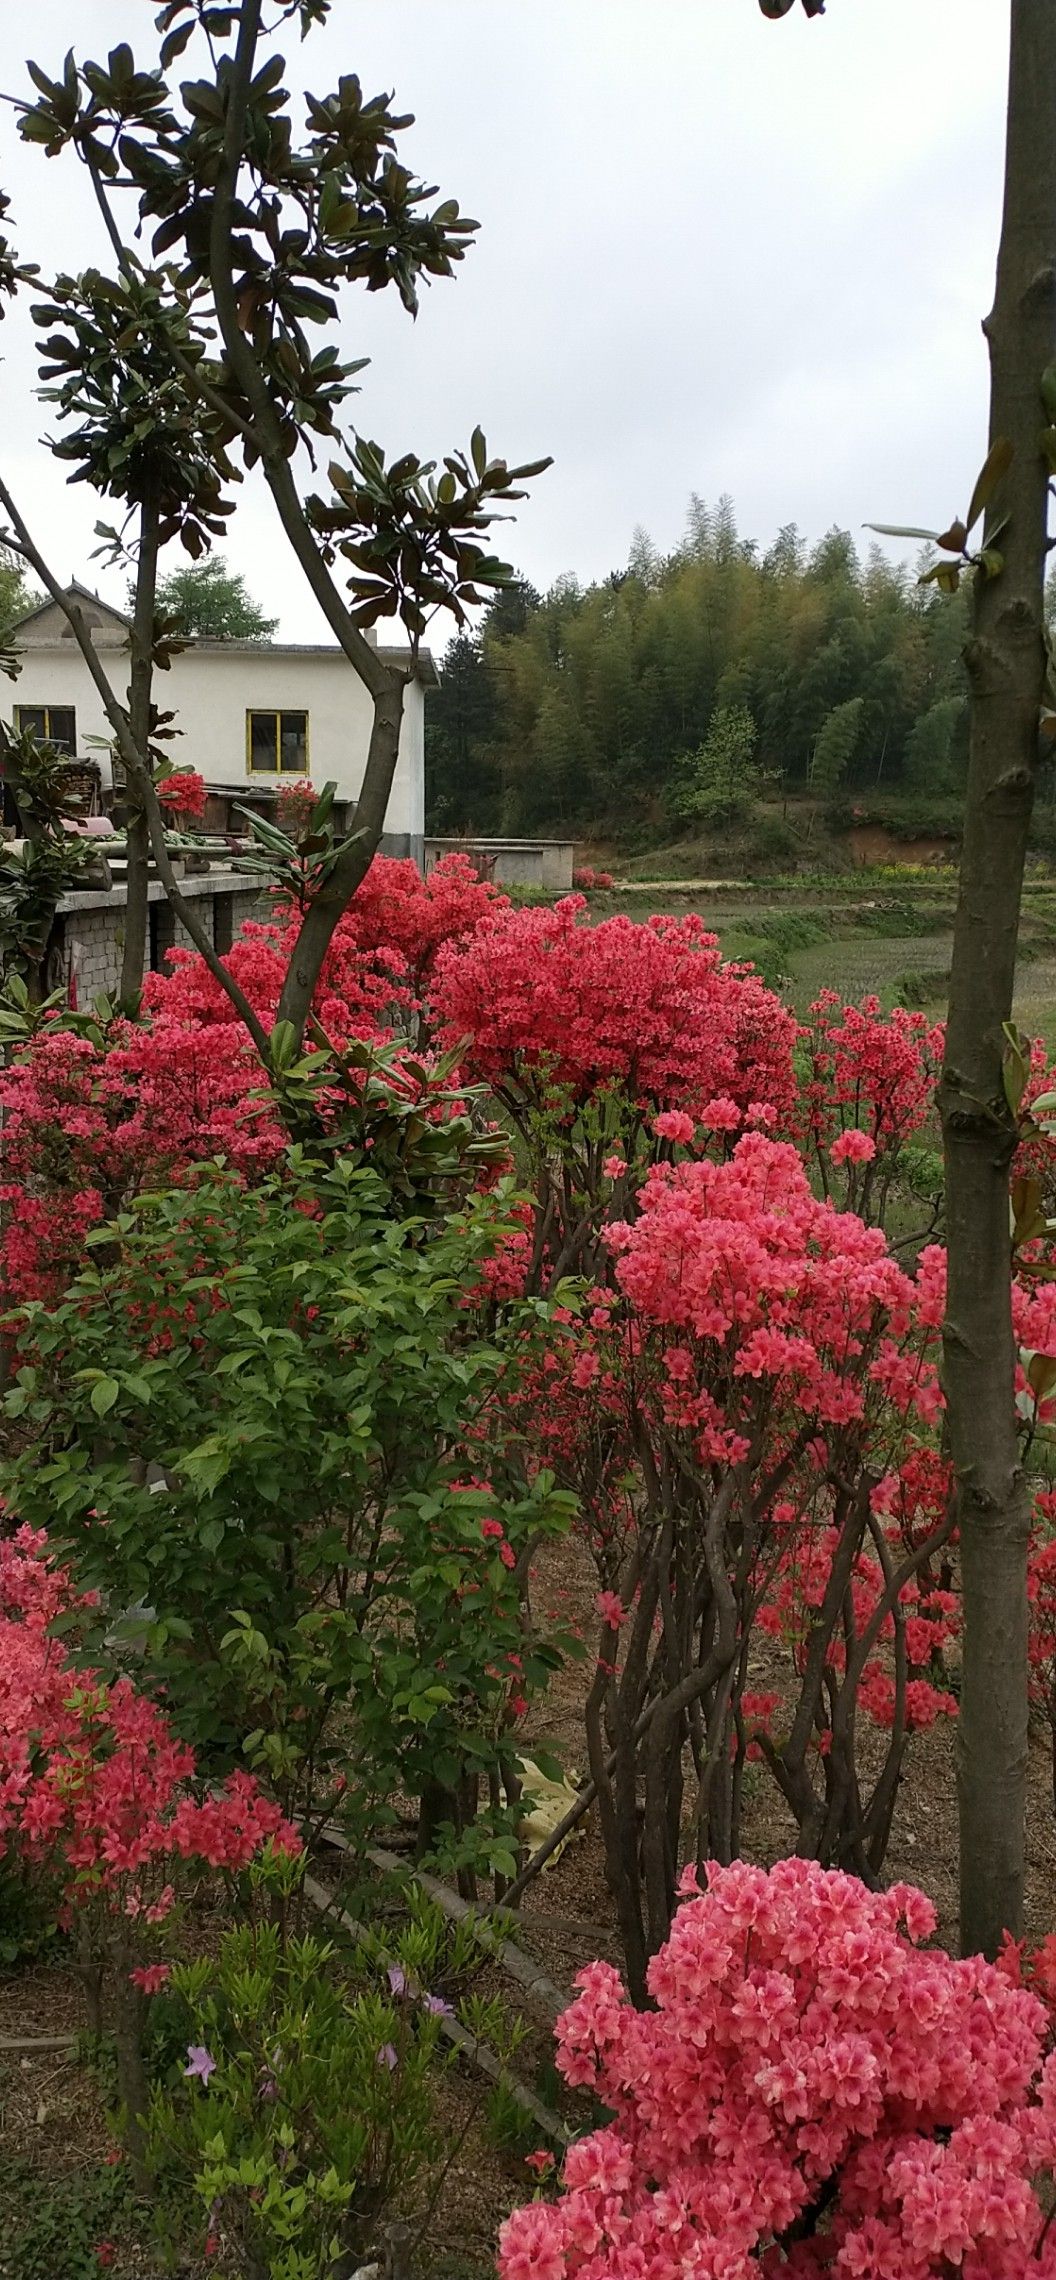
(172, 374)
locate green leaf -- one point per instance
(994, 468)
(282, 1044)
(103, 1395)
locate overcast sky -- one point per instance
(716, 255)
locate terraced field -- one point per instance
(892, 940)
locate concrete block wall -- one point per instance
(541, 863)
(93, 925)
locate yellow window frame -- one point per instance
(276, 713)
(47, 711)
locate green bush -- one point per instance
(903, 816)
(922, 986)
(321, 1408)
(769, 840)
(307, 2106)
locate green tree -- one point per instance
(17, 597)
(211, 602)
(835, 745)
(717, 782)
(929, 746)
(169, 379)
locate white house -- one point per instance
(251, 714)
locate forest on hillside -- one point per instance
(663, 699)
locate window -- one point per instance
(54, 724)
(277, 743)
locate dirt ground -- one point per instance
(53, 2119)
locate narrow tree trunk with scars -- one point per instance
(134, 954)
(1006, 665)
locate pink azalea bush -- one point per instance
(94, 1783)
(545, 1000)
(814, 2093)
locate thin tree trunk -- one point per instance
(1006, 665)
(137, 905)
(331, 902)
(134, 954)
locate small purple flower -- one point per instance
(267, 2087)
(387, 2057)
(200, 2063)
(436, 2007)
(397, 1979)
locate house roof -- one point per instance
(77, 593)
(426, 672)
(426, 669)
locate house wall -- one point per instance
(211, 685)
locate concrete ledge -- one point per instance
(192, 885)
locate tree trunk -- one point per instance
(137, 908)
(133, 2087)
(329, 905)
(134, 954)
(1006, 665)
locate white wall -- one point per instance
(209, 687)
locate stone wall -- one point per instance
(93, 925)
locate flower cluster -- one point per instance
(871, 1077)
(760, 1279)
(651, 1008)
(183, 794)
(94, 1784)
(814, 2092)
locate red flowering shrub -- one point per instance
(869, 1089)
(183, 794)
(86, 1126)
(99, 1796)
(92, 1778)
(548, 1003)
(734, 1417)
(295, 807)
(609, 1046)
(396, 909)
(586, 880)
(359, 991)
(813, 2093)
